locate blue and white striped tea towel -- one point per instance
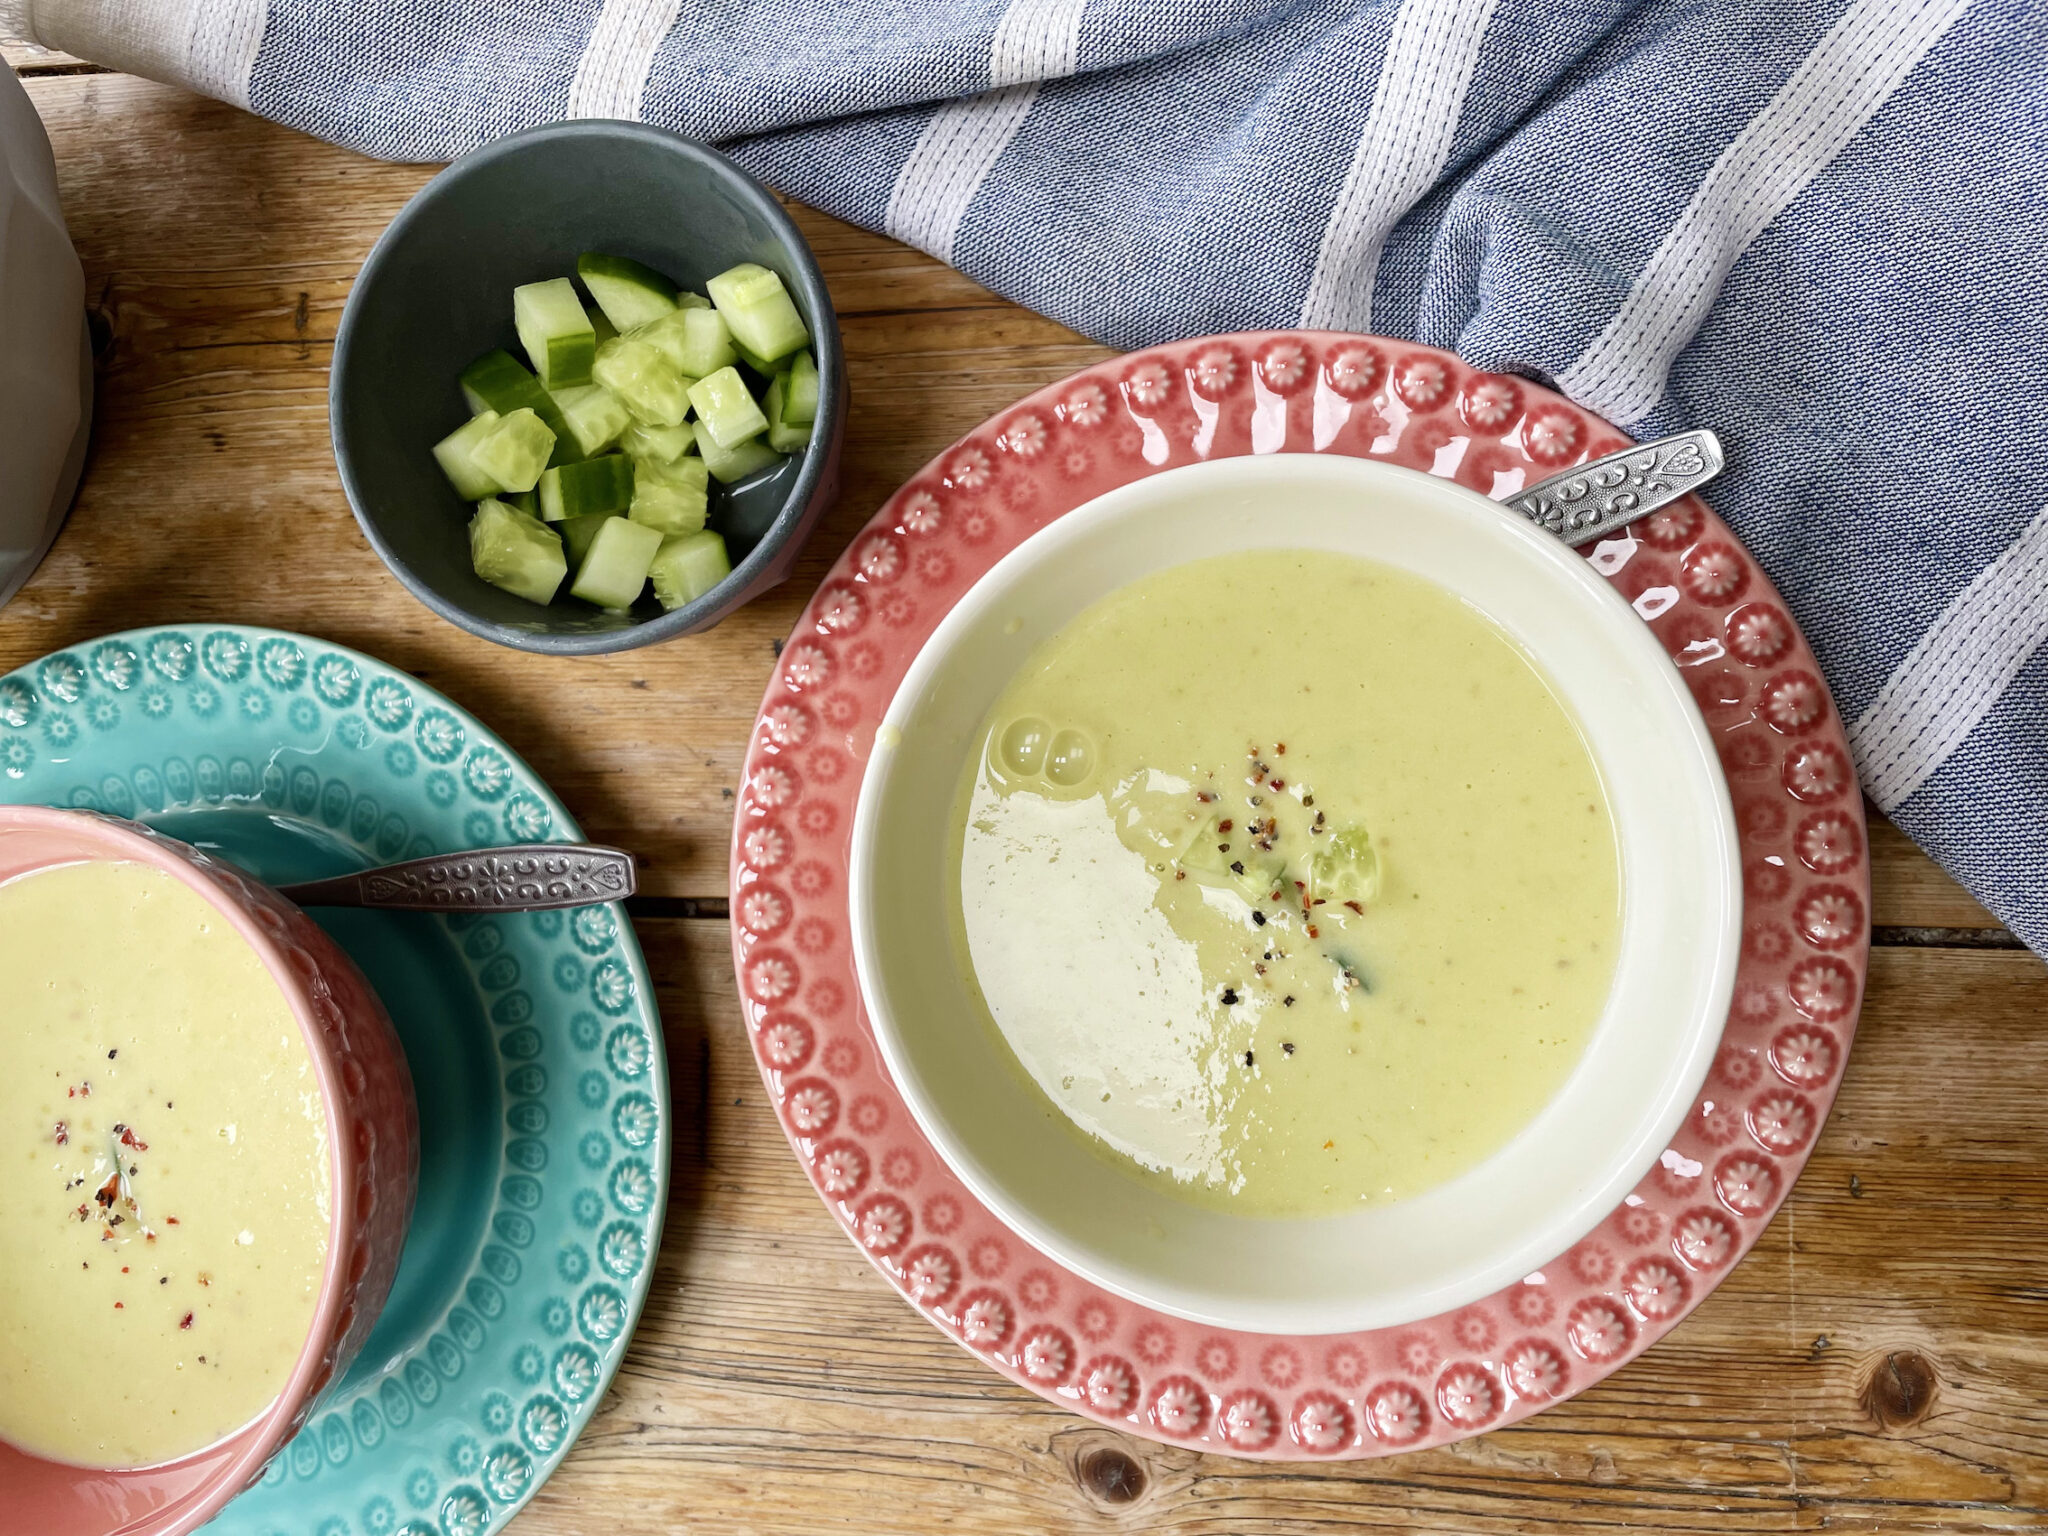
(1819, 226)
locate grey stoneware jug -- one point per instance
(45, 349)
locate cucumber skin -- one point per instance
(614, 568)
(688, 566)
(597, 486)
(499, 382)
(452, 454)
(558, 337)
(726, 409)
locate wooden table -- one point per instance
(1880, 1362)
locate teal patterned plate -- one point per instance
(533, 1040)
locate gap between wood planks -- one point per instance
(717, 909)
(35, 66)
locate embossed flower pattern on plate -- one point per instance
(1485, 1365)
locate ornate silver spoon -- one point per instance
(1592, 500)
(527, 877)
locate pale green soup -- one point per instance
(1286, 877)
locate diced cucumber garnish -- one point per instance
(1346, 867)
(593, 417)
(515, 451)
(728, 414)
(577, 533)
(628, 293)
(599, 486)
(695, 341)
(645, 380)
(663, 444)
(688, 566)
(515, 551)
(800, 393)
(471, 481)
(614, 568)
(621, 360)
(673, 498)
(728, 466)
(759, 310)
(783, 439)
(559, 339)
(499, 382)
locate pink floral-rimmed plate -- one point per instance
(1804, 955)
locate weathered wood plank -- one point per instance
(778, 1385)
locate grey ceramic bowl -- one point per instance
(436, 293)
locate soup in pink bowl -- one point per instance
(213, 1149)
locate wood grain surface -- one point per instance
(1880, 1363)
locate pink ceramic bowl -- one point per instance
(373, 1129)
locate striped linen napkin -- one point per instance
(1815, 225)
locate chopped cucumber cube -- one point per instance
(782, 438)
(645, 380)
(759, 310)
(800, 394)
(471, 481)
(689, 300)
(671, 497)
(629, 294)
(695, 341)
(731, 465)
(498, 381)
(515, 451)
(1345, 868)
(688, 566)
(727, 412)
(597, 486)
(662, 444)
(577, 533)
(557, 334)
(593, 417)
(614, 568)
(598, 323)
(515, 551)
